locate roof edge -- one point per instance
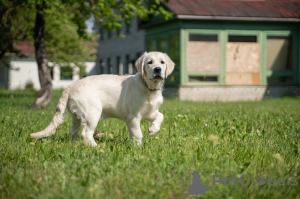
(225, 18)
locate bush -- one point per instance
(29, 85)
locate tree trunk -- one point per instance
(44, 96)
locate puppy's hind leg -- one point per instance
(87, 134)
(89, 126)
(75, 128)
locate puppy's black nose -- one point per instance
(157, 70)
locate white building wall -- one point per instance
(22, 72)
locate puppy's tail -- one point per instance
(58, 117)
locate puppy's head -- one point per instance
(155, 66)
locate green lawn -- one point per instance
(226, 139)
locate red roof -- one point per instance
(25, 48)
(237, 8)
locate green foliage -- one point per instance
(15, 24)
(65, 47)
(112, 14)
(229, 139)
(66, 39)
(29, 85)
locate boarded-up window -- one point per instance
(279, 54)
(242, 61)
(203, 54)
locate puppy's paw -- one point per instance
(153, 130)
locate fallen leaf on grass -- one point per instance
(213, 138)
(98, 134)
(278, 157)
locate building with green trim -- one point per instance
(226, 51)
(223, 50)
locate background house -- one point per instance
(223, 50)
(117, 51)
(15, 73)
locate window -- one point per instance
(119, 66)
(203, 56)
(109, 66)
(118, 31)
(66, 73)
(207, 38)
(203, 78)
(101, 66)
(175, 50)
(128, 26)
(163, 44)
(129, 68)
(279, 53)
(101, 34)
(241, 38)
(51, 72)
(109, 34)
(280, 79)
(151, 45)
(169, 44)
(243, 60)
(279, 59)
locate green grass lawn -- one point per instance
(226, 139)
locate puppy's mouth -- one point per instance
(157, 77)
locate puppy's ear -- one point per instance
(170, 65)
(139, 64)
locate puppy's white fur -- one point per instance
(131, 98)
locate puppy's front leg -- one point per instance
(156, 118)
(135, 132)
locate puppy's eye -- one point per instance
(150, 62)
(162, 62)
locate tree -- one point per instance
(14, 26)
(110, 14)
(64, 46)
(44, 96)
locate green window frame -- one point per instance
(294, 73)
(223, 37)
(201, 75)
(259, 40)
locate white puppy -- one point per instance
(131, 98)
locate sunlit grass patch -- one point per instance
(213, 138)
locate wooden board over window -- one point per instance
(242, 63)
(203, 56)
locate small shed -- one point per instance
(230, 50)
